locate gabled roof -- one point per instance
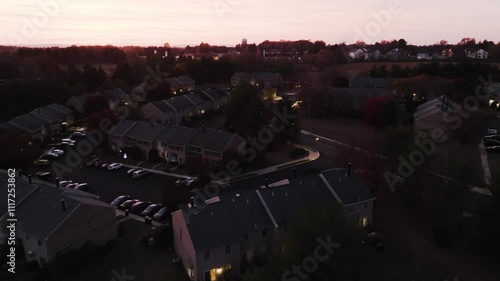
(28, 122)
(7, 129)
(211, 139)
(194, 98)
(162, 106)
(121, 128)
(176, 135)
(215, 93)
(349, 189)
(180, 81)
(81, 98)
(146, 131)
(41, 213)
(440, 104)
(46, 114)
(60, 108)
(211, 227)
(22, 191)
(179, 103)
(115, 94)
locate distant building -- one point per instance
(244, 42)
(264, 79)
(432, 115)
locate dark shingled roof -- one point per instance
(176, 135)
(212, 226)
(22, 190)
(28, 121)
(121, 128)
(350, 189)
(163, 106)
(7, 129)
(60, 108)
(215, 93)
(211, 139)
(179, 102)
(145, 131)
(46, 113)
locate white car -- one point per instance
(58, 151)
(68, 140)
(114, 166)
(79, 134)
(67, 143)
(65, 183)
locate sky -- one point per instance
(227, 22)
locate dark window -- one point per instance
(207, 255)
(245, 237)
(228, 249)
(264, 232)
(39, 243)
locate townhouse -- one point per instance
(181, 84)
(217, 98)
(53, 221)
(172, 142)
(35, 128)
(233, 231)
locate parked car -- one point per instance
(182, 181)
(99, 162)
(491, 142)
(132, 171)
(151, 210)
(41, 162)
(115, 166)
(68, 140)
(493, 148)
(46, 176)
(162, 215)
(191, 182)
(58, 151)
(138, 207)
(50, 156)
(104, 165)
(127, 204)
(72, 185)
(140, 174)
(70, 144)
(493, 136)
(374, 239)
(119, 200)
(65, 183)
(83, 187)
(79, 134)
(91, 162)
(492, 131)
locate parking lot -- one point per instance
(110, 184)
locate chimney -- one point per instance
(63, 205)
(203, 128)
(267, 183)
(349, 170)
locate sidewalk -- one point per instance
(312, 156)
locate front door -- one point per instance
(207, 276)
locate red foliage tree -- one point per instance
(375, 111)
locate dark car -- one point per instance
(162, 215)
(151, 210)
(91, 162)
(46, 176)
(493, 149)
(119, 200)
(83, 187)
(138, 207)
(99, 162)
(49, 156)
(491, 142)
(127, 204)
(374, 239)
(72, 185)
(104, 166)
(131, 171)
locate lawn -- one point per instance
(131, 256)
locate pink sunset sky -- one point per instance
(226, 22)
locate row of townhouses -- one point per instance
(259, 79)
(116, 98)
(52, 221)
(181, 84)
(40, 123)
(233, 231)
(174, 143)
(178, 109)
(398, 54)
